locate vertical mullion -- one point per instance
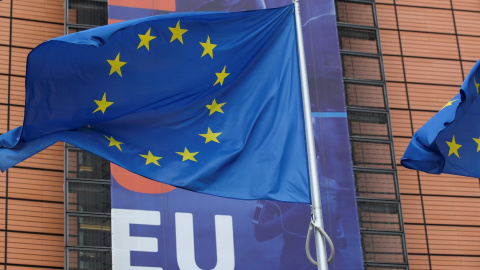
(411, 127)
(8, 128)
(66, 232)
(65, 206)
(456, 37)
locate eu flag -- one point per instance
(209, 102)
(450, 141)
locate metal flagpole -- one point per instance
(312, 159)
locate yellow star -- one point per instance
(151, 158)
(214, 107)
(208, 47)
(449, 103)
(116, 65)
(453, 147)
(476, 84)
(114, 142)
(478, 143)
(102, 104)
(177, 33)
(210, 136)
(187, 155)
(145, 39)
(221, 76)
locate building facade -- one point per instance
(428, 49)
(402, 61)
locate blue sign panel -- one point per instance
(161, 227)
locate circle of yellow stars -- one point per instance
(116, 65)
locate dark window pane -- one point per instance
(359, 40)
(368, 124)
(372, 154)
(375, 185)
(88, 12)
(364, 95)
(361, 67)
(89, 260)
(355, 13)
(84, 165)
(383, 248)
(88, 197)
(379, 215)
(89, 231)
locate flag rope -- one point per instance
(325, 235)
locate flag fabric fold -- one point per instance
(210, 102)
(450, 141)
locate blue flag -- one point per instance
(209, 102)
(450, 141)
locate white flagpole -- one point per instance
(312, 159)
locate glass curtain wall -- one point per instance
(87, 177)
(378, 197)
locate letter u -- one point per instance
(186, 248)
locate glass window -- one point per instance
(87, 196)
(87, 12)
